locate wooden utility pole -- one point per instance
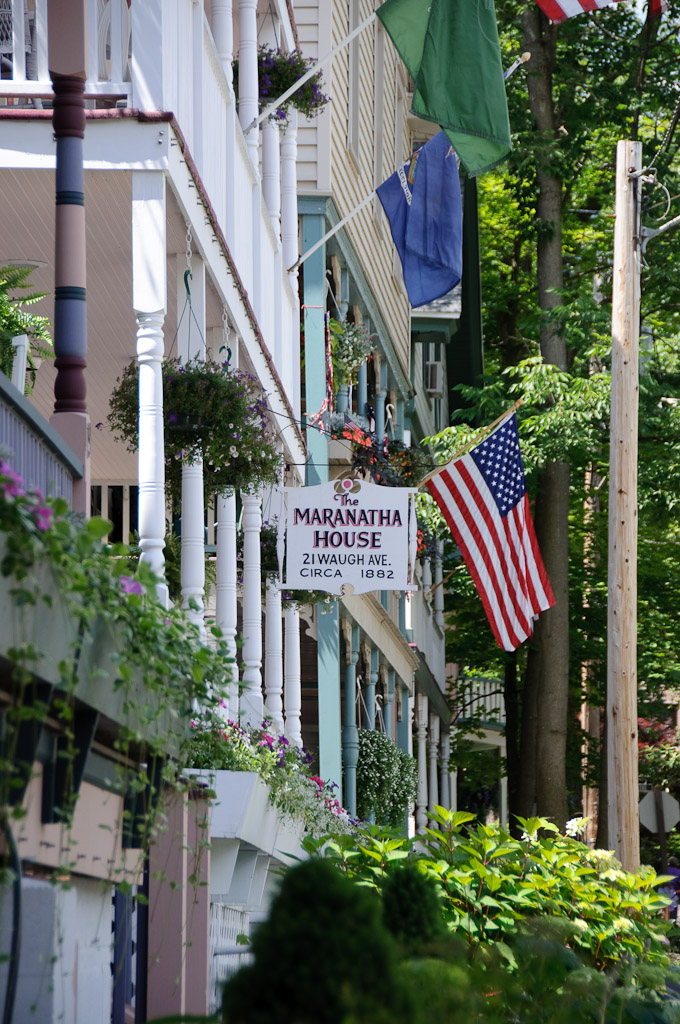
(622, 749)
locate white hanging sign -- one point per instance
(348, 534)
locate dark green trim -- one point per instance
(70, 198)
(69, 291)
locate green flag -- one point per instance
(451, 51)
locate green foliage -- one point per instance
(351, 346)
(15, 320)
(322, 957)
(387, 778)
(220, 745)
(212, 412)
(412, 909)
(492, 886)
(155, 661)
(277, 72)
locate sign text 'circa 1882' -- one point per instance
(349, 533)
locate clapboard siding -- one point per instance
(353, 178)
(327, 164)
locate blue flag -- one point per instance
(423, 205)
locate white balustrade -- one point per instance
(433, 751)
(191, 345)
(149, 299)
(252, 705)
(273, 656)
(151, 464)
(248, 92)
(421, 712)
(226, 598)
(444, 774)
(292, 683)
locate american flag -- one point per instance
(559, 10)
(483, 497)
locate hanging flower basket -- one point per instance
(212, 412)
(391, 462)
(277, 72)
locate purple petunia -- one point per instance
(42, 516)
(129, 585)
(13, 486)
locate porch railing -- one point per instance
(23, 50)
(33, 448)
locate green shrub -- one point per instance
(322, 957)
(386, 779)
(412, 909)
(492, 885)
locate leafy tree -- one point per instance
(15, 320)
(546, 240)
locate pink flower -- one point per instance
(130, 585)
(43, 517)
(319, 782)
(12, 487)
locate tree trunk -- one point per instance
(548, 660)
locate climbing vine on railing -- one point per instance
(120, 644)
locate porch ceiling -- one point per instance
(27, 217)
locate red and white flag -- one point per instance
(559, 10)
(482, 496)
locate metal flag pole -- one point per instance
(268, 111)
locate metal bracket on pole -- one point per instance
(268, 111)
(649, 233)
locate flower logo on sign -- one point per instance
(347, 487)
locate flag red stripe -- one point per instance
(479, 527)
(500, 550)
(503, 563)
(477, 568)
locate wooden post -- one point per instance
(624, 834)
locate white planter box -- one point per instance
(242, 810)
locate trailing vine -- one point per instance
(143, 664)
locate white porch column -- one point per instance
(271, 174)
(252, 705)
(273, 655)
(388, 712)
(223, 34)
(226, 603)
(439, 592)
(149, 299)
(248, 93)
(427, 578)
(191, 345)
(371, 659)
(453, 779)
(433, 795)
(421, 736)
(289, 210)
(292, 685)
(444, 779)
